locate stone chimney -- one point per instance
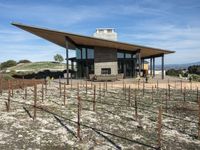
(106, 33)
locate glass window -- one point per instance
(127, 55)
(133, 56)
(120, 55)
(90, 53)
(83, 53)
(78, 53)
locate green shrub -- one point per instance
(174, 72)
(9, 63)
(196, 77)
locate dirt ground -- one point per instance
(123, 118)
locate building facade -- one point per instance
(100, 56)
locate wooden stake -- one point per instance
(199, 121)
(8, 103)
(138, 84)
(1, 84)
(25, 92)
(159, 126)
(166, 101)
(94, 99)
(35, 101)
(45, 87)
(106, 86)
(71, 82)
(77, 89)
(152, 93)
(143, 87)
(157, 85)
(60, 87)
(86, 87)
(42, 92)
(11, 84)
(125, 92)
(129, 95)
(169, 92)
(136, 113)
(64, 93)
(184, 94)
(78, 118)
(181, 86)
(100, 91)
(197, 94)
(123, 85)
(104, 90)
(175, 85)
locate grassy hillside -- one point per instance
(37, 66)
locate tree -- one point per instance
(24, 61)
(7, 64)
(58, 58)
(195, 69)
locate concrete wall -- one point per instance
(105, 58)
(100, 65)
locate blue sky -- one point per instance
(171, 24)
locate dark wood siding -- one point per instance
(103, 54)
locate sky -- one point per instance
(171, 24)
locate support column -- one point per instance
(67, 59)
(163, 66)
(72, 68)
(150, 66)
(138, 56)
(124, 66)
(87, 69)
(72, 63)
(154, 67)
(139, 64)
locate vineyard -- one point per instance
(93, 115)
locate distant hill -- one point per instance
(177, 66)
(37, 66)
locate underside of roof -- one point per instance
(59, 38)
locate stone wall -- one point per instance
(105, 58)
(100, 65)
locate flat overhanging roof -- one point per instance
(59, 38)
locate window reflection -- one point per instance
(78, 53)
(90, 53)
(120, 55)
(83, 53)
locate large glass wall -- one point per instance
(126, 63)
(85, 61)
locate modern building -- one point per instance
(101, 56)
